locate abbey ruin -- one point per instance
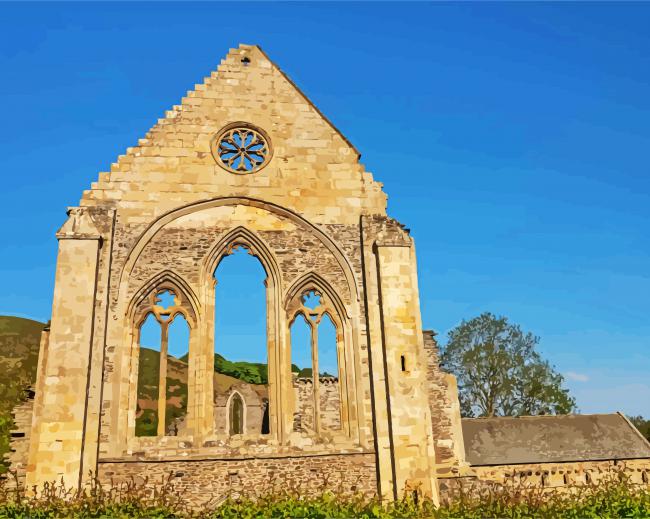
(246, 163)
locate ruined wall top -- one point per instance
(302, 162)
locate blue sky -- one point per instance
(512, 140)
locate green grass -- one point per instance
(614, 497)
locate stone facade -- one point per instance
(245, 160)
(205, 481)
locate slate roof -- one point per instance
(549, 439)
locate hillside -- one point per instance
(226, 375)
(19, 344)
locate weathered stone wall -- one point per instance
(207, 481)
(19, 443)
(314, 172)
(549, 476)
(445, 410)
(330, 403)
(254, 397)
(564, 474)
(303, 416)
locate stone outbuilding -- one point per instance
(555, 451)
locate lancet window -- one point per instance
(316, 349)
(163, 359)
(241, 374)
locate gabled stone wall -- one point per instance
(163, 217)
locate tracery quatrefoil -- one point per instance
(241, 148)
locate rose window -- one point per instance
(242, 148)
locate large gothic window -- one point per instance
(315, 344)
(162, 388)
(240, 346)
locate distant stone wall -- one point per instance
(329, 400)
(255, 399)
(330, 403)
(547, 476)
(210, 481)
(445, 410)
(19, 443)
(564, 474)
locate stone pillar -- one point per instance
(377, 369)
(59, 423)
(406, 368)
(456, 421)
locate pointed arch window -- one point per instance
(163, 359)
(241, 344)
(236, 414)
(316, 348)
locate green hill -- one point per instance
(226, 374)
(19, 343)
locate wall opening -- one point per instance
(328, 372)
(177, 376)
(236, 414)
(240, 343)
(146, 415)
(302, 375)
(315, 347)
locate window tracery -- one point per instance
(317, 391)
(162, 377)
(242, 148)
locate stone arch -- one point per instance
(165, 279)
(258, 248)
(229, 407)
(138, 308)
(278, 362)
(312, 280)
(346, 355)
(170, 216)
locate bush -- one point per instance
(613, 497)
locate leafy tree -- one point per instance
(251, 372)
(499, 371)
(642, 425)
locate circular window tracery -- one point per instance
(242, 148)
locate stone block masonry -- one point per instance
(210, 481)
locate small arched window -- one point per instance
(236, 414)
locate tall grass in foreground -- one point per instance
(612, 497)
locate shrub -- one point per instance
(612, 497)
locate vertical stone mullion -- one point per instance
(162, 377)
(314, 361)
(344, 401)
